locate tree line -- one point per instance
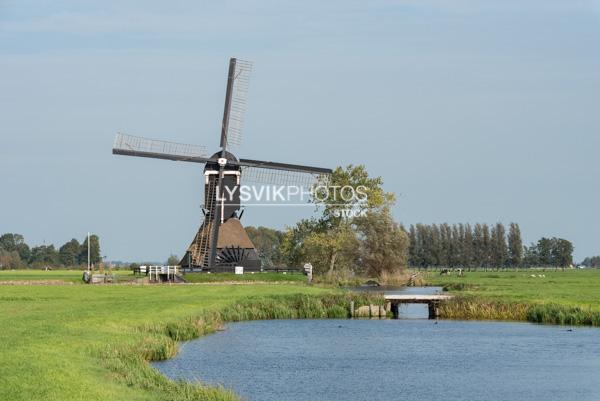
(432, 246)
(481, 245)
(593, 261)
(16, 253)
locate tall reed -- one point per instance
(473, 308)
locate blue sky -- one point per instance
(471, 111)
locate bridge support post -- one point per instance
(433, 310)
(395, 309)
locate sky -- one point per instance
(470, 111)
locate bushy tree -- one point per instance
(331, 250)
(44, 255)
(562, 252)
(9, 260)
(530, 256)
(555, 252)
(11, 242)
(335, 242)
(292, 244)
(384, 246)
(544, 251)
(172, 260)
(267, 242)
(69, 253)
(94, 250)
(593, 261)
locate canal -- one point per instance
(407, 359)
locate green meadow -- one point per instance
(560, 297)
(570, 287)
(257, 277)
(92, 342)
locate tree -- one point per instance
(94, 250)
(544, 251)
(368, 192)
(9, 259)
(499, 248)
(172, 260)
(561, 253)
(331, 242)
(468, 251)
(15, 242)
(486, 246)
(267, 242)
(437, 249)
(414, 247)
(478, 245)
(593, 261)
(44, 255)
(69, 253)
(515, 245)
(427, 254)
(335, 249)
(349, 189)
(531, 256)
(384, 245)
(292, 244)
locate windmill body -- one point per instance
(221, 242)
(233, 247)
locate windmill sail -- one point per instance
(238, 83)
(130, 145)
(261, 175)
(266, 172)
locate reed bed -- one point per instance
(474, 308)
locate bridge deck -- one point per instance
(416, 299)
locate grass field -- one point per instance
(53, 339)
(563, 297)
(570, 287)
(258, 277)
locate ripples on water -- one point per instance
(411, 359)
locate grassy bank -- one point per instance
(80, 342)
(557, 297)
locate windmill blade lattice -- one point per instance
(140, 146)
(239, 95)
(261, 175)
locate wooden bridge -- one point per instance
(393, 302)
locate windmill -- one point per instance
(221, 242)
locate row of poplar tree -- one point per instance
(481, 245)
